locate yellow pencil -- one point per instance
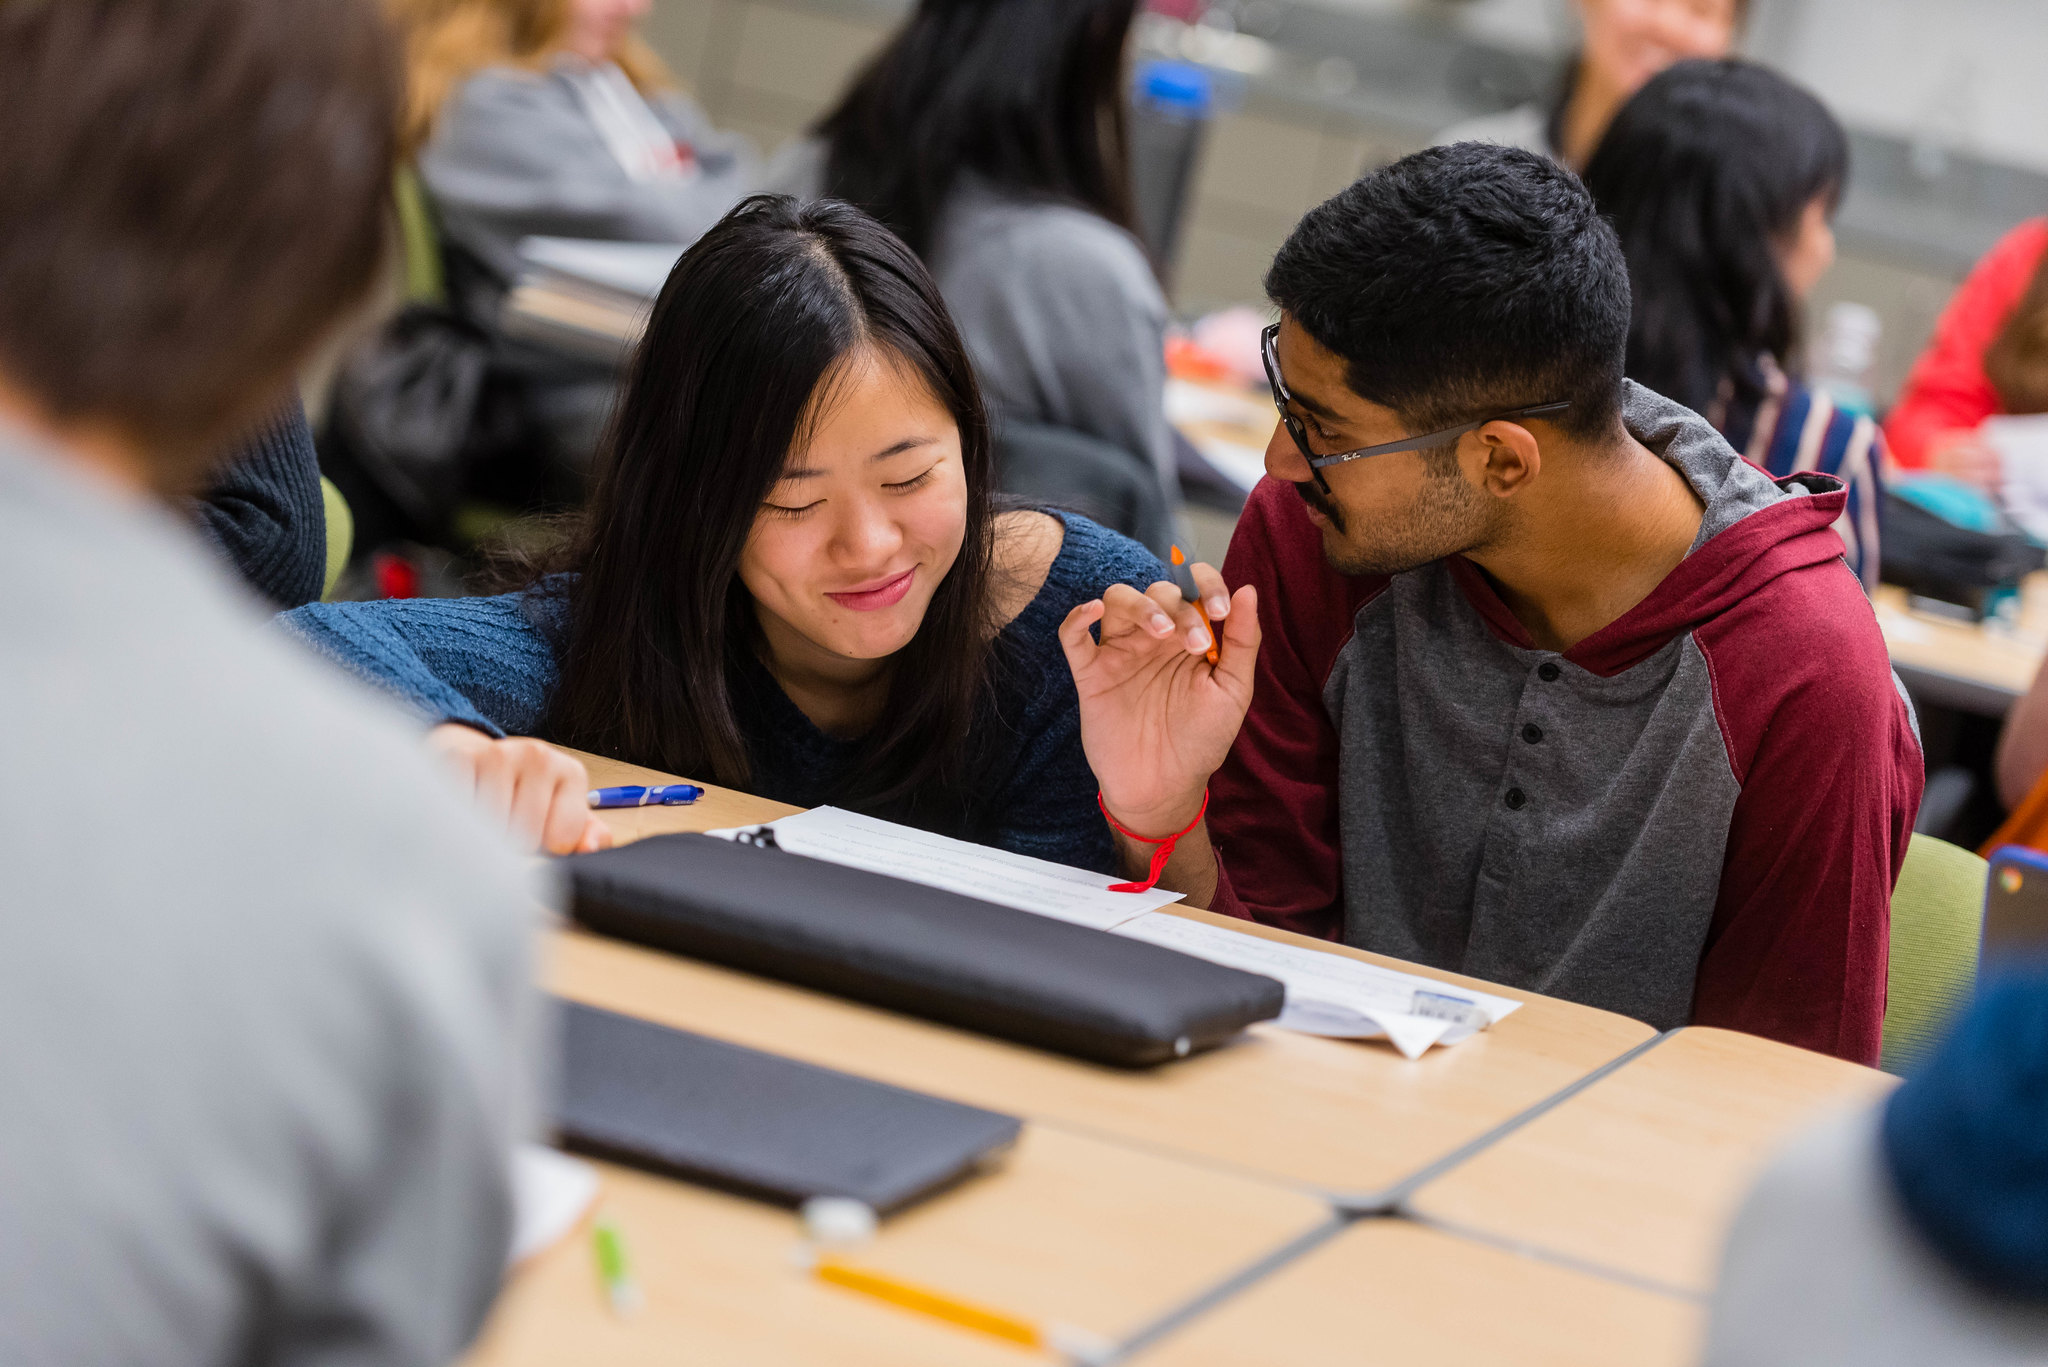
(936, 1304)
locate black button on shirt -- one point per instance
(1515, 798)
(1531, 732)
(1548, 671)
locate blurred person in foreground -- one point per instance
(1915, 1233)
(990, 136)
(1625, 43)
(1721, 179)
(1988, 355)
(264, 992)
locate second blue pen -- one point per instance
(671, 795)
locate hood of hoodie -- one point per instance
(1753, 529)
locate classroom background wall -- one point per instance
(1946, 102)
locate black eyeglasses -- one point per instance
(1317, 463)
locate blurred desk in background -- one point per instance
(1970, 666)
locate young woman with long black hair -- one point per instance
(1722, 179)
(792, 577)
(990, 136)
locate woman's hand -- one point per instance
(1963, 453)
(1156, 717)
(539, 794)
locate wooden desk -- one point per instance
(1347, 1118)
(1068, 1230)
(1387, 1291)
(1968, 666)
(1642, 1170)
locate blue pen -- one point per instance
(673, 795)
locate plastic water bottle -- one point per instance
(1845, 354)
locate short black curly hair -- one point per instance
(1462, 281)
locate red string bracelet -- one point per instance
(1160, 855)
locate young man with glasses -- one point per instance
(1554, 688)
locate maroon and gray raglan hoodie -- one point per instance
(1694, 815)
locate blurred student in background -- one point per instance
(1989, 355)
(264, 1000)
(990, 135)
(552, 117)
(791, 577)
(1722, 178)
(1626, 42)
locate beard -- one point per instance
(1447, 516)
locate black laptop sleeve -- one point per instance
(759, 1124)
(917, 949)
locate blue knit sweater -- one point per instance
(491, 663)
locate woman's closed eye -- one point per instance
(780, 510)
(918, 482)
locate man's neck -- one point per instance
(96, 450)
(1599, 541)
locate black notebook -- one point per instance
(759, 1124)
(917, 949)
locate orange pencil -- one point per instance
(1185, 577)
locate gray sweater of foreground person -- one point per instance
(265, 1005)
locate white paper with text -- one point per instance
(1012, 880)
(1333, 994)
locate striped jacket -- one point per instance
(1792, 429)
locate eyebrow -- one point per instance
(907, 444)
(1315, 406)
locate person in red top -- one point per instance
(1527, 674)
(1952, 389)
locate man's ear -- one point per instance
(1512, 458)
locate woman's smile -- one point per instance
(886, 592)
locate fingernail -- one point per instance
(1219, 607)
(1198, 639)
(1160, 626)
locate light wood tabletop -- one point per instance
(1350, 1118)
(1067, 1230)
(1642, 1170)
(1973, 666)
(1387, 1291)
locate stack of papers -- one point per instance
(937, 861)
(1327, 994)
(2022, 446)
(590, 298)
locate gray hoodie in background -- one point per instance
(516, 154)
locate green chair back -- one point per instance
(419, 244)
(1937, 920)
(341, 533)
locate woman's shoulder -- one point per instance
(1813, 432)
(1089, 558)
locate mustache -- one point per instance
(1318, 500)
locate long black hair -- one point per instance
(661, 631)
(1705, 173)
(1028, 94)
